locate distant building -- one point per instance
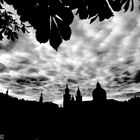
(41, 98)
(66, 97)
(69, 100)
(78, 96)
(99, 94)
(72, 101)
(7, 91)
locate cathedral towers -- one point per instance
(99, 96)
(78, 96)
(70, 99)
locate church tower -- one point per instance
(66, 97)
(41, 98)
(99, 94)
(78, 96)
(7, 91)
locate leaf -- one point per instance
(132, 7)
(1, 36)
(1, 7)
(126, 7)
(55, 37)
(10, 13)
(64, 29)
(8, 33)
(93, 19)
(2, 1)
(14, 36)
(66, 15)
(43, 31)
(82, 10)
(115, 5)
(23, 29)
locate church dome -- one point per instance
(99, 94)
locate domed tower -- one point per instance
(78, 96)
(99, 94)
(66, 97)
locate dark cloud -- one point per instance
(19, 92)
(36, 83)
(51, 72)
(5, 79)
(72, 81)
(23, 81)
(25, 61)
(17, 68)
(17, 86)
(2, 68)
(115, 70)
(41, 79)
(31, 81)
(69, 67)
(128, 95)
(137, 77)
(33, 70)
(127, 73)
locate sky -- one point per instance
(107, 51)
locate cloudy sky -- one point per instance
(107, 51)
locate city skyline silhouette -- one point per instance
(75, 114)
(69, 69)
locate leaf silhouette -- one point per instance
(116, 5)
(64, 29)
(1, 36)
(82, 10)
(55, 37)
(14, 36)
(93, 19)
(52, 18)
(127, 5)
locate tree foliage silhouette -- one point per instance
(52, 18)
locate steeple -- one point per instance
(67, 89)
(41, 98)
(98, 85)
(66, 97)
(78, 96)
(7, 91)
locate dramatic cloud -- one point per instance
(107, 51)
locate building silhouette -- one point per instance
(69, 99)
(41, 98)
(99, 94)
(7, 92)
(66, 97)
(78, 96)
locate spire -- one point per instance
(41, 98)
(67, 89)
(7, 91)
(66, 97)
(78, 92)
(78, 96)
(98, 85)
